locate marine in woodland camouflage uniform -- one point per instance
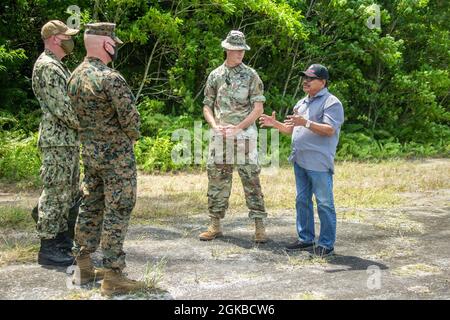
(231, 93)
(109, 126)
(58, 137)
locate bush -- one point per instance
(360, 146)
(152, 119)
(155, 155)
(19, 157)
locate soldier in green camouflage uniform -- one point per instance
(58, 143)
(109, 126)
(234, 98)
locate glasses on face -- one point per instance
(309, 79)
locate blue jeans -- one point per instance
(320, 184)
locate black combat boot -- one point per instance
(64, 241)
(51, 255)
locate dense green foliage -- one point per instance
(394, 81)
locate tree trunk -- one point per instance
(147, 67)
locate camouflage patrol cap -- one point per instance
(102, 29)
(55, 27)
(235, 41)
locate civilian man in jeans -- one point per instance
(315, 127)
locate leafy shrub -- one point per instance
(156, 155)
(152, 119)
(19, 157)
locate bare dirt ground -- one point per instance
(399, 252)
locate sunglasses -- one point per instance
(309, 79)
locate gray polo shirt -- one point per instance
(312, 151)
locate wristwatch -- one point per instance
(308, 124)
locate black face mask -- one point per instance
(114, 55)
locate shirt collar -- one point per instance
(235, 69)
(318, 94)
(51, 55)
(93, 60)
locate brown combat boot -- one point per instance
(115, 282)
(214, 230)
(260, 231)
(85, 271)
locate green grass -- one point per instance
(154, 273)
(12, 217)
(358, 186)
(17, 251)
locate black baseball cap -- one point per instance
(316, 71)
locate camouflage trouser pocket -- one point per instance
(60, 167)
(249, 171)
(50, 175)
(61, 174)
(219, 172)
